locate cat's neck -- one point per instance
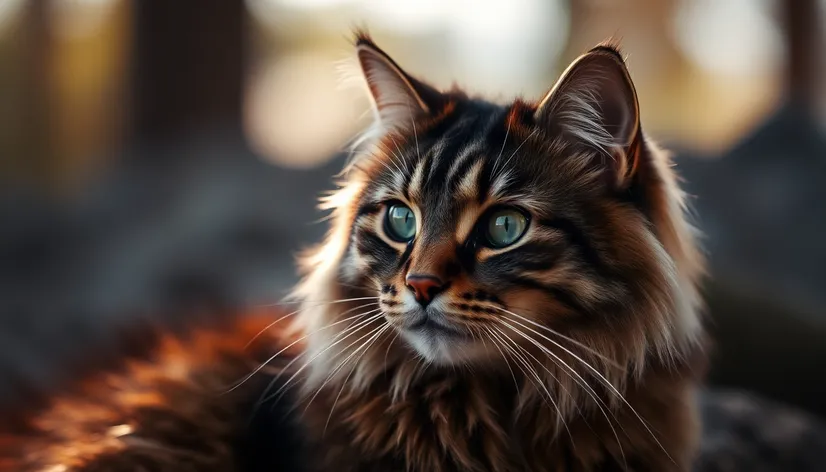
(450, 420)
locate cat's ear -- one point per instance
(397, 97)
(595, 103)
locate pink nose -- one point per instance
(424, 287)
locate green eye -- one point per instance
(505, 227)
(400, 223)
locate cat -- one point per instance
(502, 288)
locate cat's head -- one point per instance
(486, 228)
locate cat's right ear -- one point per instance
(398, 98)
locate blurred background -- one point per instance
(161, 159)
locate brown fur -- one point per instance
(164, 411)
(469, 421)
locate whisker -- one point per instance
(288, 346)
(415, 133)
(286, 368)
(398, 148)
(610, 386)
(340, 365)
(295, 312)
(507, 363)
(319, 302)
(344, 383)
(518, 148)
(557, 333)
(541, 383)
(389, 169)
(395, 161)
(582, 382)
(505, 141)
(387, 352)
(307, 364)
(533, 376)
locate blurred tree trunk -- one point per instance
(803, 42)
(35, 128)
(188, 66)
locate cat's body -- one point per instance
(504, 288)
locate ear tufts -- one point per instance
(595, 104)
(398, 98)
(609, 46)
(361, 37)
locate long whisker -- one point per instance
(518, 148)
(582, 382)
(415, 133)
(396, 161)
(299, 311)
(607, 383)
(507, 363)
(307, 364)
(398, 148)
(319, 302)
(298, 357)
(288, 346)
(539, 381)
(533, 376)
(344, 383)
(387, 351)
(365, 345)
(263, 399)
(389, 169)
(505, 141)
(557, 333)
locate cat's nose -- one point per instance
(424, 287)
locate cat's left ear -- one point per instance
(595, 103)
(398, 98)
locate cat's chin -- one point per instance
(442, 348)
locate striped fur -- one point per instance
(588, 322)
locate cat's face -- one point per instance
(484, 229)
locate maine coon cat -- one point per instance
(534, 261)
(503, 288)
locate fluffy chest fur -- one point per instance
(492, 421)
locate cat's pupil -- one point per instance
(505, 227)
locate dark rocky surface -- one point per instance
(743, 433)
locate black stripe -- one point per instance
(405, 255)
(461, 171)
(455, 141)
(535, 256)
(368, 208)
(371, 245)
(566, 298)
(497, 144)
(434, 135)
(577, 238)
(483, 182)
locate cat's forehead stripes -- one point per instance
(450, 156)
